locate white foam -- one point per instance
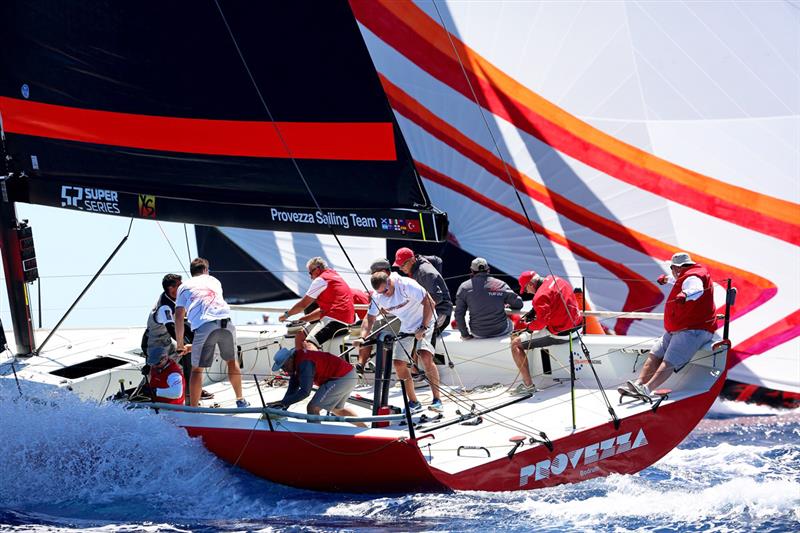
(733, 408)
(64, 453)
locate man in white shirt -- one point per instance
(209, 317)
(408, 301)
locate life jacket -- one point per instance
(360, 298)
(692, 314)
(158, 380)
(548, 302)
(326, 366)
(156, 333)
(336, 301)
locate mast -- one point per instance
(17, 276)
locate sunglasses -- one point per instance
(311, 272)
(385, 289)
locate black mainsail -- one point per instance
(148, 109)
(215, 113)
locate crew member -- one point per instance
(555, 313)
(201, 299)
(166, 380)
(690, 321)
(426, 274)
(334, 377)
(335, 301)
(409, 302)
(486, 299)
(379, 265)
(160, 333)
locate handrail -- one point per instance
(262, 410)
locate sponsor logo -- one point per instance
(586, 456)
(147, 206)
(330, 218)
(90, 199)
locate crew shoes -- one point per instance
(241, 403)
(436, 405)
(522, 389)
(414, 407)
(641, 390)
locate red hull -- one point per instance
(349, 463)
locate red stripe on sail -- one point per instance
(354, 141)
(643, 295)
(778, 333)
(753, 289)
(414, 34)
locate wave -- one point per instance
(108, 468)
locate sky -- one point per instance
(72, 245)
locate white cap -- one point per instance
(681, 259)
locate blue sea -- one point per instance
(68, 465)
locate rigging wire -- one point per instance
(174, 252)
(188, 249)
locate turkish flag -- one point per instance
(412, 226)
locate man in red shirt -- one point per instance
(555, 313)
(690, 321)
(335, 301)
(334, 377)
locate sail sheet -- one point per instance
(630, 131)
(218, 113)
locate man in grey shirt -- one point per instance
(485, 298)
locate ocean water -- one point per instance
(68, 465)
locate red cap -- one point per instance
(524, 279)
(402, 255)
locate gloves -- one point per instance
(680, 298)
(146, 370)
(662, 279)
(530, 316)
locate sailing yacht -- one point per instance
(272, 116)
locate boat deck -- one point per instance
(462, 444)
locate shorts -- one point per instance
(325, 330)
(539, 339)
(677, 349)
(210, 335)
(335, 393)
(403, 347)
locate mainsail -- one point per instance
(630, 131)
(252, 115)
(206, 113)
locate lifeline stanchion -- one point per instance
(409, 421)
(572, 381)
